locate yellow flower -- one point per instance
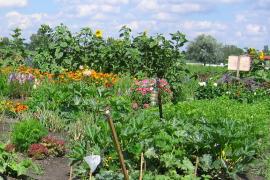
(98, 33)
(261, 55)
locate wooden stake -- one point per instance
(196, 165)
(70, 173)
(141, 167)
(117, 145)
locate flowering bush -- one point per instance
(14, 107)
(144, 89)
(56, 147)
(243, 90)
(38, 151)
(20, 84)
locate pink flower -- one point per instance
(145, 106)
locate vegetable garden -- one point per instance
(56, 91)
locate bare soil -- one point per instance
(53, 169)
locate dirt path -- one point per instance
(53, 169)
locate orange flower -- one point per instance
(20, 107)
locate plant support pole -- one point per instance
(159, 99)
(117, 145)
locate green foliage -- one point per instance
(11, 164)
(229, 50)
(205, 49)
(234, 90)
(222, 139)
(56, 50)
(27, 132)
(14, 50)
(3, 85)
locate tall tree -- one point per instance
(41, 39)
(205, 49)
(229, 50)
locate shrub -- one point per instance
(26, 133)
(55, 146)
(38, 151)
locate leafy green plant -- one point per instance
(193, 137)
(27, 132)
(11, 164)
(4, 85)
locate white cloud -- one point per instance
(139, 26)
(158, 6)
(224, 1)
(239, 34)
(163, 16)
(240, 18)
(13, 3)
(146, 5)
(117, 2)
(83, 10)
(186, 7)
(203, 25)
(16, 19)
(255, 29)
(100, 16)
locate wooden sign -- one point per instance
(239, 63)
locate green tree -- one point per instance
(205, 49)
(17, 44)
(13, 50)
(229, 50)
(41, 39)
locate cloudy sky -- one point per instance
(245, 23)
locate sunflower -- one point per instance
(98, 33)
(261, 55)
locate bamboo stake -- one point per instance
(117, 145)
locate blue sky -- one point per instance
(245, 23)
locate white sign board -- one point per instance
(240, 63)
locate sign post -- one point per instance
(239, 63)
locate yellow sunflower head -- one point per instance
(261, 56)
(98, 33)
